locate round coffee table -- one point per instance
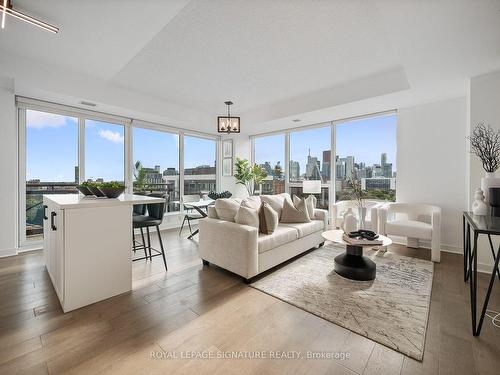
(352, 264)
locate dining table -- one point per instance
(201, 207)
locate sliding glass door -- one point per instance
(200, 155)
(104, 151)
(156, 165)
(51, 144)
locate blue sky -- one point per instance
(52, 148)
(364, 138)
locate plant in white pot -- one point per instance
(485, 144)
(249, 175)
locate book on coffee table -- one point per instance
(359, 241)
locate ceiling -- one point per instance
(179, 60)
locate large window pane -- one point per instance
(310, 155)
(51, 162)
(156, 164)
(104, 151)
(269, 153)
(199, 166)
(366, 150)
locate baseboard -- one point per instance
(481, 267)
(7, 253)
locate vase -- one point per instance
(479, 207)
(349, 223)
(489, 181)
(362, 217)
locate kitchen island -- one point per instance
(88, 246)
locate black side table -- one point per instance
(489, 226)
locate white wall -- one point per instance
(242, 150)
(484, 107)
(8, 163)
(431, 162)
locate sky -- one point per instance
(52, 148)
(364, 138)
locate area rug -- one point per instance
(392, 309)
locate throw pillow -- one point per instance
(227, 208)
(294, 213)
(275, 201)
(247, 216)
(310, 204)
(252, 202)
(268, 219)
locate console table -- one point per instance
(489, 226)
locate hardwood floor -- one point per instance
(194, 308)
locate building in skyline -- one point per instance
(325, 167)
(294, 170)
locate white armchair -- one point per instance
(413, 221)
(371, 220)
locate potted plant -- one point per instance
(485, 144)
(359, 195)
(249, 175)
(84, 189)
(112, 189)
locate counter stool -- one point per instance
(153, 218)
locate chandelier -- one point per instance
(228, 124)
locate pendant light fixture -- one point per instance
(6, 9)
(228, 124)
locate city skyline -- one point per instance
(52, 148)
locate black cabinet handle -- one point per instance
(45, 212)
(52, 216)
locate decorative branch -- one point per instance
(358, 193)
(485, 144)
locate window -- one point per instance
(269, 153)
(156, 164)
(366, 150)
(199, 166)
(51, 163)
(104, 151)
(310, 155)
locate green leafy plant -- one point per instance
(112, 184)
(249, 175)
(91, 184)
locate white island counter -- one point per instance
(88, 246)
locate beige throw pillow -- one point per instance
(310, 204)
(268, 219)
(252, 202)
(247, 216)
(227, 208)
(294, 213)
(275, 201)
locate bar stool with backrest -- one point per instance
(153, 218)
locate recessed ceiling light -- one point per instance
(296, 120)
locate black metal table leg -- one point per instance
(488, 294)
(473, 287)
(494, 256)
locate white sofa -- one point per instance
(371, 219)
(413, 221)
(242, 250)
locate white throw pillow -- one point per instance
(247, 216)
(227, 208)
(252, 202)
(310, 204)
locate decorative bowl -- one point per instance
(95, 190)
(112, 192)
(84, 190)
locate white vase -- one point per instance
(479, 207)
(349, 223)
(488, 181)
